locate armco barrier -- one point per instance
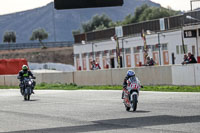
(157, 75)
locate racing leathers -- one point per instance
(25, 74)
(135, 79)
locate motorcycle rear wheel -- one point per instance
(127, 108)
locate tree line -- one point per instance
(37, 34)
(143, 13)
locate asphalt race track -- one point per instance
(99, 112)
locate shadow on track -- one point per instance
(138, 111)
(32, 100)
(122, 123)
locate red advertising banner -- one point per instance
(11, 66)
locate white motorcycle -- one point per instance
(131, 94)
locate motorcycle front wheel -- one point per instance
(134, 102)
(26, 97)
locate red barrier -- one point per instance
(198, 59)
(11, 66)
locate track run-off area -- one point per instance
(98, 111)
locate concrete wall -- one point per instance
(2, 80)
(186, 74)
(11, 80)
(183, 75)
(118, 76)
(99, 77)
(197, 74)
(156, 75)
(64, 78)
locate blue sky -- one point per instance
(10, 6)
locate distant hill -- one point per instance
(65, 20)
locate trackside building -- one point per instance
(167, 40)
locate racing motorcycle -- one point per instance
(131, 94)
(28, 85)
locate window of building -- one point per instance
(92, 54)
(193, 50)
(76, 55)
(104, 53)
(98, 54)
(137, 49)
(186, 49)
(177, 49)
(155, 48)
(84, 55)
(147, 48)
(128, 50)
(112, 52)
(164, 46)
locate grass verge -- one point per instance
(44, 86)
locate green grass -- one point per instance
(8, 87)
(44, 86)
(172, 88)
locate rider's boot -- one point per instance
(21, 90)
(32, 91)
(122, 95)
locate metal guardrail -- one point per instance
(15, 46)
